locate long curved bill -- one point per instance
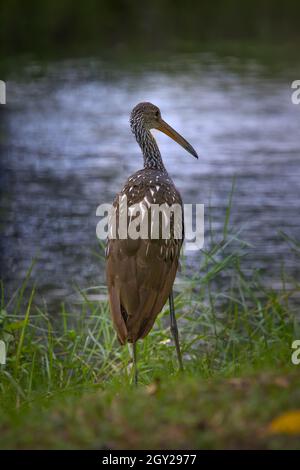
(169, 131)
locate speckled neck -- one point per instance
(149, 147)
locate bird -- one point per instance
(140, 272)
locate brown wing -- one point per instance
(140, 273)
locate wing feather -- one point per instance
(140, 273)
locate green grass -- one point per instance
(68, 384)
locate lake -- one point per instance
(67, 147)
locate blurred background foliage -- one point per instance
(68, 26)
(221, 70)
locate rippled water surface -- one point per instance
(67, 147)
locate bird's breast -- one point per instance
(149, 208)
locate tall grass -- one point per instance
(226, 326)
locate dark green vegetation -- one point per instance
(78, 27)
(67, 383)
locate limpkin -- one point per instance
(141, 272)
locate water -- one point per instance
(67, 147)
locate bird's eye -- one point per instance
(157, 114)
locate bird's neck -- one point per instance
(149, 147)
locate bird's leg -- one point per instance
(135, 371)
(174, 329)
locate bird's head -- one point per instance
(148, 116)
